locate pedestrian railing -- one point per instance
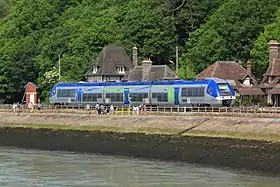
(160, 110)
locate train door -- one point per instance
(170, 95)
(176, 96)
(79, 93)
(126, 96)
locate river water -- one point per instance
(20, 167)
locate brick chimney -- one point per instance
(146, 67)
(135, 56)
(249, 67)
(273, 50)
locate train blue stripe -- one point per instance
(175, 82)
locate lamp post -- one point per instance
(59, 69)
(177, 60)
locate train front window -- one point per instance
(224, 89)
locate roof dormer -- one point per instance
(94, 69)
(121, 70)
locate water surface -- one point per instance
(20, 167)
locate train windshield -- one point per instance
(224, 89)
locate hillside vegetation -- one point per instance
(33, 33)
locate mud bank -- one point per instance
(221, 152)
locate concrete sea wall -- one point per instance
(225, 152)
(241, 143)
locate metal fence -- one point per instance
(160, 110)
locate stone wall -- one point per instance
(220, 152)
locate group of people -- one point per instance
(139, 109)
(30, 106)
(104, 109)
(16, 107)
(100, 108)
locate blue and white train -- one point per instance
(212, 92)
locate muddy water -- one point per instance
(20, 167)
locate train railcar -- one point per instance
(208, 92)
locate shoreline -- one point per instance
(251, 144)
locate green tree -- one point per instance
(190, 14)
(230, 32)
(28, 21)
(149, 25)
(5, 6)
(259, 52)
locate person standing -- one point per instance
(97, 108)
(39, 106)
(14, 107)
(111, 108)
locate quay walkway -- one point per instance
(159, 110)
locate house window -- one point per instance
(94, 69)
(247, 81)
(121, 69)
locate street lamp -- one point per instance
(59, 69)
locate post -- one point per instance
(177, 60)
(59, 68)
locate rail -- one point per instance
(161, 110)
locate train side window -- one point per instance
(66, 93)
(115, 97)
(201, 92)
(138, 97)
(91, 97)
(189, 92)
(184, 92)
(161, 97)
(193, 92)
(119, 97)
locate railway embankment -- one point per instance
(242, 143)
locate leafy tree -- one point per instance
(20, 32)
(229, 33)
(33, 33)
(259, 52)
(149, 25)
(192, 14)
(4, 7)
